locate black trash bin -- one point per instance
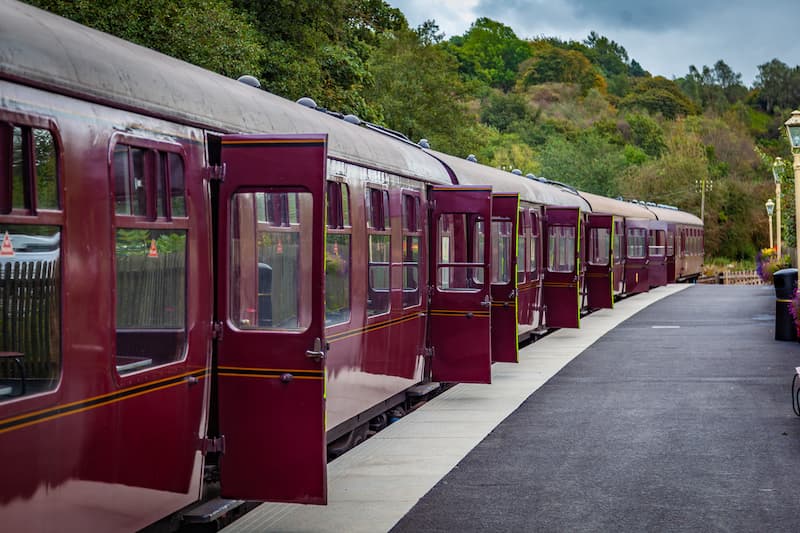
(785, 283)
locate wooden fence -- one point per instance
(733, 277)
(29, 318)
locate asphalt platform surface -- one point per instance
(680, 419)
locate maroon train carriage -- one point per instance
(547, 221)
(199, 274)
(179, 311)
(684, 242)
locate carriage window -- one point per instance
(561, 249)
(378, 268)
(501, 251)
(412, 233)
(150, 261)
(148, 183)
(670, 243)
(599, 242)
(269, 281)
(636, 241)
(533, 265)
(337, 255)
(522, 253)
(617, 245)
(30, 309)
(657, 246)
(31, 158)
(30, 273)
(460, 252)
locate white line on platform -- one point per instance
(371, 487)
(665, 327)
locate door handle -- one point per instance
(487, 302)
(317, 353)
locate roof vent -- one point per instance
(517, 172)
(530, 176)
(252, 81)
(352, 119)
(424, 143)
(542, 179)
(308, 102)
(472, 159)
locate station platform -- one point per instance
(671, 412)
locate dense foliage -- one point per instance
(583, 113)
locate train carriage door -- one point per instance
(271, 317)
(636, 259)
(561, 291)
(599, 262)
(460, 303)
(505, 217)
(656, 252)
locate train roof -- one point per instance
(44, 50)
(675, 216)
(472, 173)
(611, 206)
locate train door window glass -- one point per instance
(460, 252)
(617, 244)
(599, 241)
(30, 309)
(20, 166)
(270, 279)
(379, 259)
(656, 247)
(501, 251)
(411, 243)
(636, 240)
(561, 249)
(337, 255)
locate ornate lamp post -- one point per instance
(776, 165)
(770, 205)
(793, 129)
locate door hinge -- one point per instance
(215, 172)
(428, 351)
(213, 445)
(216, 330)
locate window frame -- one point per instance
(164, 223)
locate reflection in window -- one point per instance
(30, 309)
(411, 292)
(501, 251)
(270, 286)
(561, 249)
(337, 255)
(150, 297)
(636, 243)
(599, 242)
(147, 182)
(522, 255)
(670, 243)
(533, 264)
(460, 252)
(657, 245)
(379, 283)
(29, 170)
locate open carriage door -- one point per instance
(270, 308)
(505, 347)
(561, 291)
(599, 261)
(460, 321)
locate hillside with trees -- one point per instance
(583, 113)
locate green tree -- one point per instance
(419, 93)
(490, 52)
(552, 64)
(659, 95)
(207, 33)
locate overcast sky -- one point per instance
(665, 37)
